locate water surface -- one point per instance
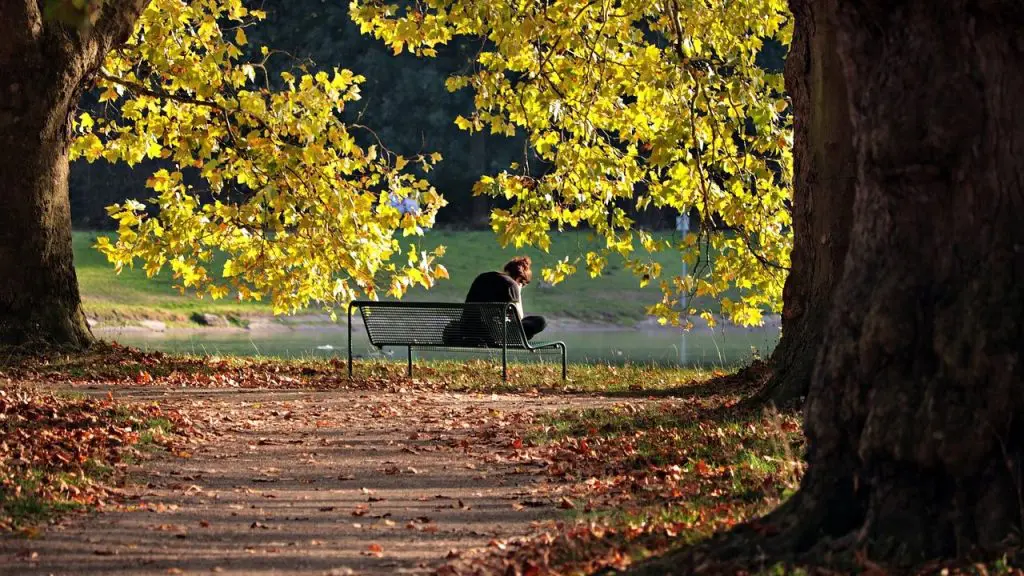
(723, 346)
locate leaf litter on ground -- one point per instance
(680, 456)
(637, 479)
(675, 459)
(60, 453)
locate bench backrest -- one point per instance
(471, 324)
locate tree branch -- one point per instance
(139, 88)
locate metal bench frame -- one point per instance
(512, 323)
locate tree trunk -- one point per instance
(915, 416)
(39, 296)
(823, 190)
(43, 65)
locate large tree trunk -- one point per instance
(39, 294)
(823, 190)
(915, 416)
(43, 65)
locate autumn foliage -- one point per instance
(306, 208)
(625, 106)
(629, 105)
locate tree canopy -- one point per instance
(403, 99)
(630, 104)
(625, 106)
(303, 211)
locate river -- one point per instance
(721, 346)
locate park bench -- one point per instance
(455, 326)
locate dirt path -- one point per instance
(309, 483)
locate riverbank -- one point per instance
(209, 323)
(304, 337)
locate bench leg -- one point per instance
(350, 342)
(409, 371)
(562, 346)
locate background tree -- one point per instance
(303, 211)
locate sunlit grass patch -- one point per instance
(154, 432)
(485, 376)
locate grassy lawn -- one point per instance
(615, 297)
(131, 296)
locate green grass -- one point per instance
(153, 430)
(130, 296)
(615, 297)
(24, 506)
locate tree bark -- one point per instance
(823, 190)
(915, 417)
(43, 68)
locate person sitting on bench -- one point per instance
(507, 286)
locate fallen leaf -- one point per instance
(375, 550)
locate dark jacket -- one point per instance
(493, 287)
(472, 330)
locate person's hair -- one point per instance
(519, 269)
